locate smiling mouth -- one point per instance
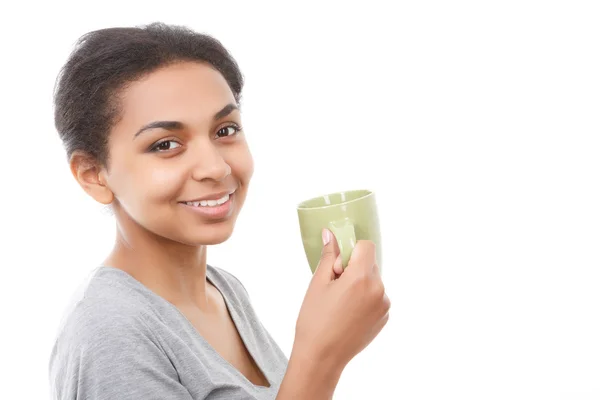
(209, 203)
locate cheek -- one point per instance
(242, 165)
(138, 180)
(145, 185)
(162, 183)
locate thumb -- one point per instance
(325, 271)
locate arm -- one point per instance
(339, 317)
(308, 378)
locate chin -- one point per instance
(212, 234)
(212, 240)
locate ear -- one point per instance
(91, 176)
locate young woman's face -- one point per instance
(180, 140)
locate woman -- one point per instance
(151, 124)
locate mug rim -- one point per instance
(302, 205)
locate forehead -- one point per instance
(189, 91)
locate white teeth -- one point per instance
(208, 203)
(221, 200)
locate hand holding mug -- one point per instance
(340, 317)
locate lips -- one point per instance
(218, 209)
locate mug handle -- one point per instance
(346, 238)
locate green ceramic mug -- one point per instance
(350, 215)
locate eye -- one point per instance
(228, 131)
(164, 146)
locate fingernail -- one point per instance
(326, 236)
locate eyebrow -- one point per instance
(176, 125)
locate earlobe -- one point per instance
(91, 177)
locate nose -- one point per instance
(210, 163)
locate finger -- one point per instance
(362, 258)
(387, 303)
(337, 265)
(324, 271)
(376, 271)
(380, 322)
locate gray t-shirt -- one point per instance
(120, 340)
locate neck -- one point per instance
(170, 269)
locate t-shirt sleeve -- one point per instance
(108, 357)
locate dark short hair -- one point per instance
(104, 61)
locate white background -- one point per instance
(476, 124)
